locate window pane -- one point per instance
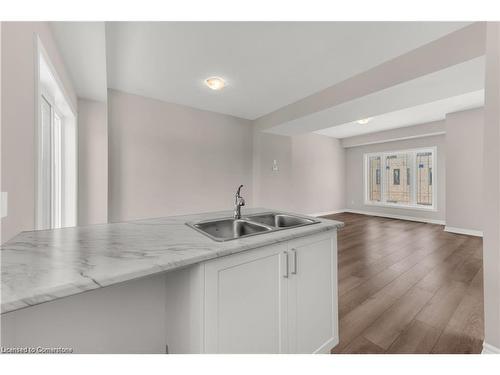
(424, 178)
(374, 179)
(396, 179)
(397, 189)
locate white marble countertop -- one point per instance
(41, 266)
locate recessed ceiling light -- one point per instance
(365, 120)
(215, 83)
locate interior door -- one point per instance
(312, 303)
(245, 302)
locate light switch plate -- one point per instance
(3, 205)
(275, 166)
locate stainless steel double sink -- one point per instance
(230, 229)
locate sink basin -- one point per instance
(279, 220)
(229, 229)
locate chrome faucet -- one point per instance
(238, 202)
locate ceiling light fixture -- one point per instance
(215, 83)
(364, 121)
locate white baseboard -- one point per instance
(469, 232)
(400, 217)
(326, 213)
(490, 349)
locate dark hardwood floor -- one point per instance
(408, 287)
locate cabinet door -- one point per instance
(245, 302)
(312, 303)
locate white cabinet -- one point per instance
(278, 299)
(245, 302)
(312, 295)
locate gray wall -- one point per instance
(310, 178)
(18, 118)
(355, 185)
(92, 162)
(167, 159)
(464, 171)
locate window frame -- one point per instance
(413, 192)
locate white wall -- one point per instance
(318, 176)
(355, 178)
(92, 162)
(464, 170)
(18, 118)
(310, 178)
(272, 189)
(491, 191)
(167, 159)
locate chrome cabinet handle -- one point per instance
(294, 269)
(285, 274)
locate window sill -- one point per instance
(402, 206)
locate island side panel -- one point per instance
(185, 298)
(123, 318)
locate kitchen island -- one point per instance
(157, 285)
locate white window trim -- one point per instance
(54, 111)
(39, 92)
(413, 151)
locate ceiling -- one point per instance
(419, 114)
(267, 64)
(83, 49)
(451, 82)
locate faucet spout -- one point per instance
(238, 191)
(238, 203)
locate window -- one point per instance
(413, 189)
(56, 151)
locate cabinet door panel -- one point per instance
(313, 295)
(245, 308)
